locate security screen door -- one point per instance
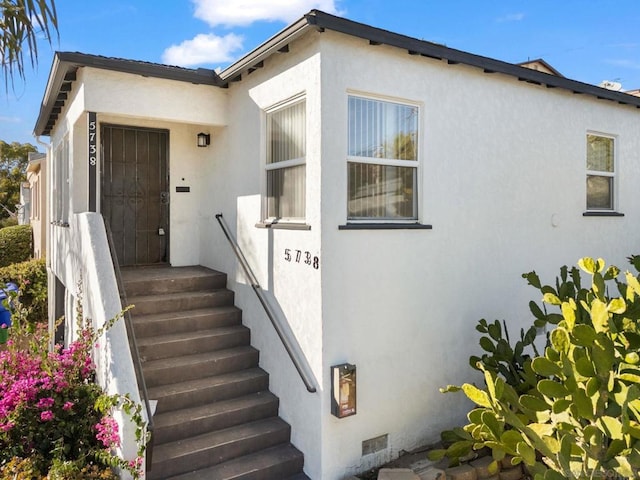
(135, 193)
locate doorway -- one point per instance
(135, 192)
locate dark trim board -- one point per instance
(385, 226)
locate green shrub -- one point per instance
(576, 411)
(31, 277)
(8, 222)
(16, 244)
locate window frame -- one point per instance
(269, 220)
(415, 164)
(61, 187)
(599, 173)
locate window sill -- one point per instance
(384, 226)
(602, 214)
(283, 226)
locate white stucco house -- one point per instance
(388, 193)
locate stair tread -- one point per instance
(176, 295)
(195, 359)
(156, 273)
(196, 312)
(236, 468)
(187, 386)
(190, 335)
(174, 450)
(178, 417)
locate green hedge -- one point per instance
(16, 244)
(31, 277)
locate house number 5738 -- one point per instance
(299, 256)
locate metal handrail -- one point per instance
(137, 362)
(267, 308)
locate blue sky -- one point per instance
(586, 40)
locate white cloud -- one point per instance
(203, 49)
(512, 17)
(9, 119)
(245, 12)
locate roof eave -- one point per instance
(65, 63)
(276, 43)
(377, 36)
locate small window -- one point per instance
(382, 160)
(600, 172)
(286, 169)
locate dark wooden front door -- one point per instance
(135, 193)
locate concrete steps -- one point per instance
(276, 462)
(215, 417)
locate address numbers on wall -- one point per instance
(298, 256)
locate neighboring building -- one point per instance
(35, 212)
(389, 192)
(541, 66)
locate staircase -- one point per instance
(215, 417)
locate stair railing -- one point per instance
(133, 344)
(275, 321)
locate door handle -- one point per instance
(164, 198)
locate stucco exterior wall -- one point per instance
(154, 98)
(502, 179)
(60, 246)
(235, 183)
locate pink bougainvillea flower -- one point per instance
(68, 406)
(108, 432)
(46, 403)
(5, 427)
(46, 416)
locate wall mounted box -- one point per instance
(343, 390)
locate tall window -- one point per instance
(286, 171)
(382, 160)
(61, 182)
(35, 199)
(600, 172)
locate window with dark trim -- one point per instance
(600, 173)
(286, 162)
(382, 160)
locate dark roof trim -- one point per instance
(279, 43)
(321, 21)
(330, 22)
(146, 69)
(66, 64)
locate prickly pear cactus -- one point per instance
(580, 417)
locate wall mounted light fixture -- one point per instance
(204, 139)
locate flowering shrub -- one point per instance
(31, 277)
(55, 421)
